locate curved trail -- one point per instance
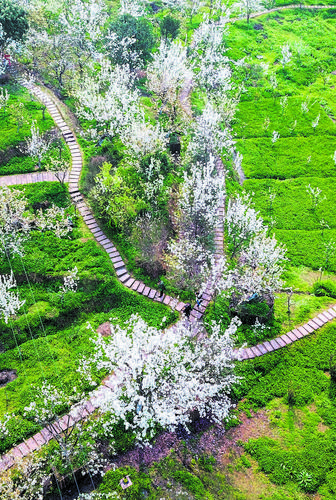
(90, 221)
(44, 436)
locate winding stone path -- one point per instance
(11, 180)
(76, 168)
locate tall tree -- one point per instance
(13, 23)
(140, 31)
(162, 377)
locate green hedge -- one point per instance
(325, 288)
(250, 119)
(288, 157)
(292, 206)
(307, 248)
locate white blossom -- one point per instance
(127, 54)
(54, 219)
(242, 223)
(59, 167)
(141, 137)
(160, 377)
(304, 107)
(168, 71)
(315, 195)
(201, 194)
(37, 145)
(3, 423)
(9, 301)
(4, 98)
(189, 262)
(273, 81)
(284, 103)
(248, 6)
(109, 98)
(14, 221)
(286, 55)
(213, 71)
(135, 8)
(96, 495)
(261, 267)
(208, 136)
(26, 480)
(275, 137)
(71, 281)
(316, 121)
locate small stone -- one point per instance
(104, 329)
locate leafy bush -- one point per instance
(10, 136)
(169, 27)
(207, 462)
(250, 311)
(141, 30)
(300, 366)
(191, 483)
(322, 288)
(141, 483)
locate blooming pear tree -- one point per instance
(161, 377)
(242, 223)
(212, 69)
(59, 167)
(70, 282)
(260, 268)
(108, 98)
(37, 145)
(189, 259)
(9, 301)
(14, 221)
(208, 136)
(3, 426)
(168, 71)
(141, 137)
(316, 121)
(189, 263)
(4, 98)
(26, 480)
(201, 195)
(82, 23)
(257, 259)
(286, 55)
(247, 7)
(135, 8)
(54, 219)
(67, 39)
(315, 195)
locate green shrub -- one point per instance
(325, 288)
(250, 311)
(127, 26)
(169, 27)
(308, 248)
(141, 483)
(191, 483)
(207, 462)
(292, 205)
